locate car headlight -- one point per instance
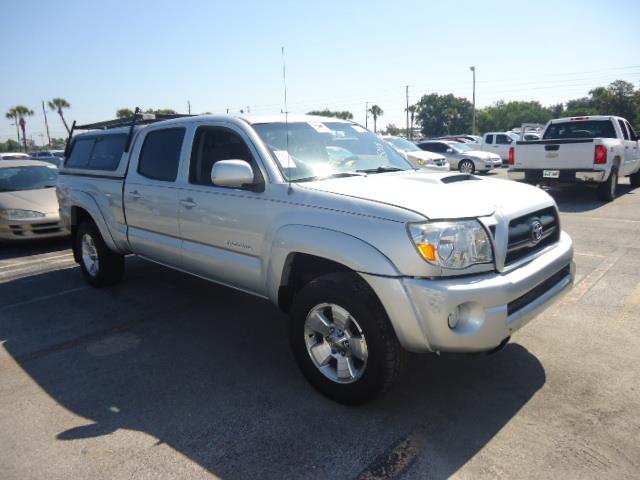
(452, 244)
(15, 214)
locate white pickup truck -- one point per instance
(596, 150)
(369, 256)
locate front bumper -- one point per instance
(49, 226)
(492, 306)
(436, 168)
(566, 176)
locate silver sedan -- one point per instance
(28, 201)
(462, 156)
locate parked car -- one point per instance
(596, 150)
(28, 203)
(419, 158)
(499, 143)
(52, 156)
(13, 156)
(528, 137)
(370, 257)
(462, 156)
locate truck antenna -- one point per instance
(286, 121)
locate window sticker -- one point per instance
(359, 129)
(319, 127)
(285, 160)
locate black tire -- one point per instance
(607, 190)
(634, 179)
(386, 357)
(110, 265)
(467, 162)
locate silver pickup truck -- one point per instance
(369, 256)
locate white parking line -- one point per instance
(35, 260)
(596, 274)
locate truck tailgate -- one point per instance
(555, 154)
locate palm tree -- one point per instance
(12, 114)
(23, 112)
(57, 105)
(376, 111)
(413, 109)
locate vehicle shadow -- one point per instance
(207, 370)
(580, 198)
(18, 249)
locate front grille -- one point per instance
(521, 242)
(539, 290)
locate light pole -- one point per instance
(366, 115)
(473, 123)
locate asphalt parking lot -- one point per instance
(167, 376)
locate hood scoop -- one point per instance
(463, 177)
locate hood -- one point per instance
(41, 200)
(439, 195)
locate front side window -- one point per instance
(160, 154)
(27, 178)
(211, 145)
(312, 150)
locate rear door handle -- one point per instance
(188, 203)
(135, 195)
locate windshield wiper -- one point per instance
(358, 173)
(382, 169)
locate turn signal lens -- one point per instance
(427, 251)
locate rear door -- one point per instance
(630, 148)
(502, 144)
(635, 148)
(151, 195)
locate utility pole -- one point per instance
(189, 106)
(407, 110)
(473, 124)
(366, 115)
(46, 124)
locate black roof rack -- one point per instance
(137, 119)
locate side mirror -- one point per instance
(232, 173)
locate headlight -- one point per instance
(454, 244)
(14, 214)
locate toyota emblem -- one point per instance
(536, 231)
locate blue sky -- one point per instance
(340, 54)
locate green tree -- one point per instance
(507, 115)
(443, 114)
(58, 105)
(10, 146)
(124, 113)
(345, 115)
(23, 112)
(12, 114)
(392, 130)
(161, 111)
(376, 112)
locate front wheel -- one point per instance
(342, 339)
(466, 166)
(607, 190)
(100, 266)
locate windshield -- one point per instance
(461, 147)
(27, 178)
(402, 144)
(324, 149)
(580, 129)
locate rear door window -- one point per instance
(503, 139)
(160, 154)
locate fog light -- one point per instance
(454, 318)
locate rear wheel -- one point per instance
(342, 339)
(634, 178)
(466, 166)
(607, 190)
(99, 265)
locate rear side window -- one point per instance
(160, 154)
(97, 153)
(632, 132)
(503, 139)
(489, 139)
(581, 129)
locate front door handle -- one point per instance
(135, 195)
(188, 203)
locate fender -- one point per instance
(80, 199)
(333, 245)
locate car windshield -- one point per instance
(27, 178)
(314, 150)
(461, 147)
(402, 144)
